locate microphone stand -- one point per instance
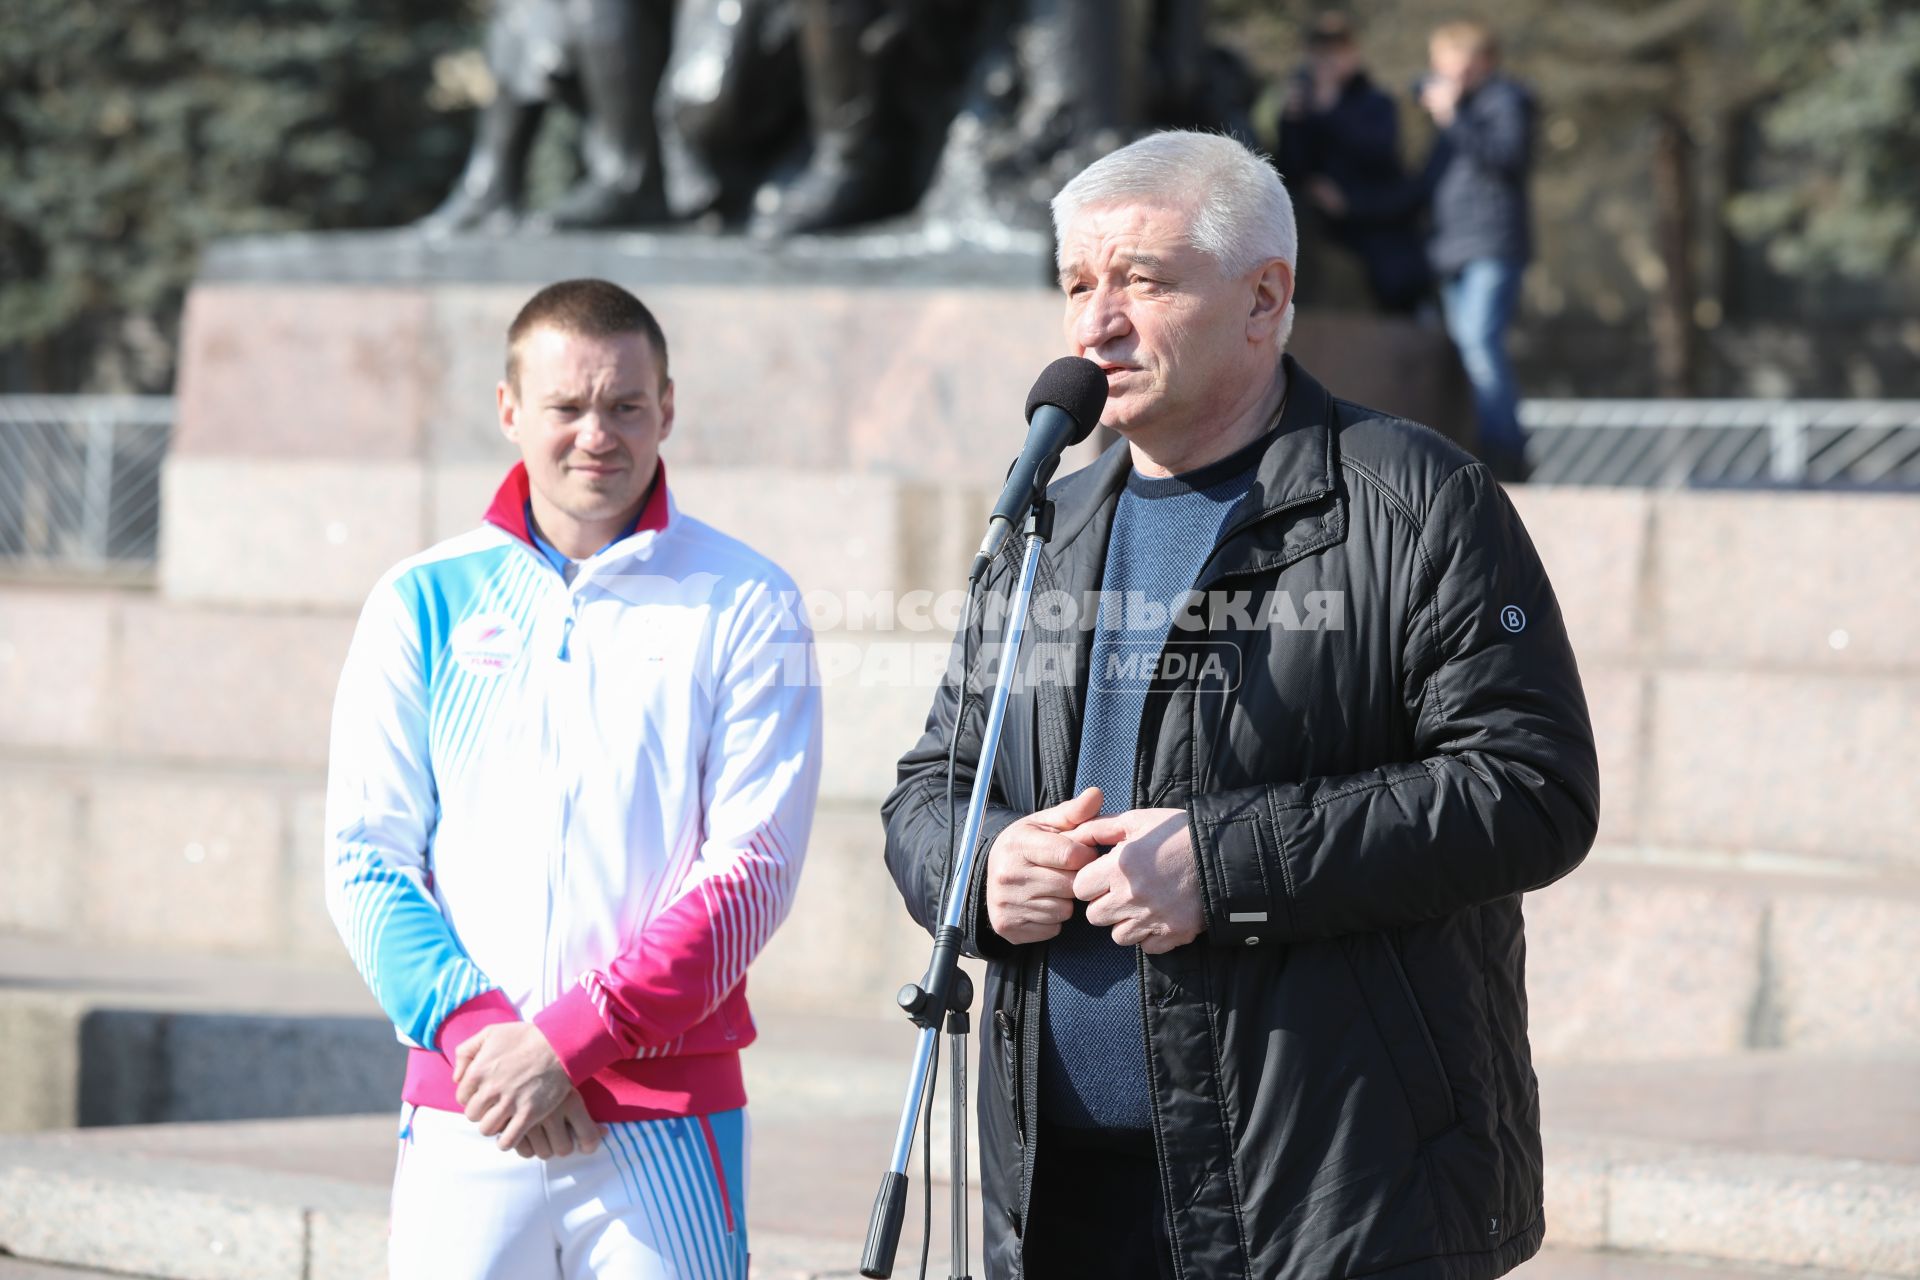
(945, 992)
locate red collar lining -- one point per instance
(509, 508)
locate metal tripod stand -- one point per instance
(945, 993)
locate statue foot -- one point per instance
(486, 212)
(594, 206)
(825, 198)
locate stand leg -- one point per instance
(945, 988)
(957, 1153)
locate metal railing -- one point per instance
(80, 482)
(80, 475)
(1824, 444)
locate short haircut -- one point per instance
(1331, 29)
(1242, 215)
(586, 309)
(1469, 36)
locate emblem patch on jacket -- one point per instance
(486, 644)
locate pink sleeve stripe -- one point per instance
(685, 962)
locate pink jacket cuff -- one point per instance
(483, 1010)
(578, 1034)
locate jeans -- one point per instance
(1479, 301)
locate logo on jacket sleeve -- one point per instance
(486, 644)
(1512, 619)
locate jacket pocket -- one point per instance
(1007, 1032)
(1403, 1032)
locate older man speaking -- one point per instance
(1260, 823)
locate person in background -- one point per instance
(1477, 178)
(1340, 149)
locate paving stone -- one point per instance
(1780, 581)
(56, 652)
(1847, 970)
(212, 685)
(1777, 1210)
(287, 532)
(1783, 762)
(195, 1223)
(304, 372)
(1630, 963)
(43, 814)
(186, 863)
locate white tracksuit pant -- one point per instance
(659, 1200)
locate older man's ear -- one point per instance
(1272, 294)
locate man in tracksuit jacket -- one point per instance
(1266, 799)
(574, 760)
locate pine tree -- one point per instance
(132, 132)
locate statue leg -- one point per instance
(851, 176)
(492, 188)
(1083, 64)
(730, 106)
(621, 49)
(524, 53)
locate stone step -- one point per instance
(800, 1260)
(1625, 963)
(1629, 961)
(1730, 713)
(1763, 1158)
(262, 1199)
(1748, 1163)
(93, 1035)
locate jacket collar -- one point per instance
(508, 510)
(1298, 466)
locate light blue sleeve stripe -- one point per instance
(383, 794)
(402, 945)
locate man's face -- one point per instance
(1158, 315)
(1336, 61)
(1457, 63)
(589, 415)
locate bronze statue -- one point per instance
(730, 109)
(786, 117)
(882, 80)
(602, 58)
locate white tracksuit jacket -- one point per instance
(585, 805)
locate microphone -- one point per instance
(1062, 409)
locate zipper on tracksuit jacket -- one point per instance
(551, 962)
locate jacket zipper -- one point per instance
(1031, 1008)
(1153, 1113)
(549, 960)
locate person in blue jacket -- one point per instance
(1476, 179)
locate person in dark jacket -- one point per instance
(1340, 147)
(1298, 728)
(1477, 178)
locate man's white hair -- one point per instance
(1242, 215)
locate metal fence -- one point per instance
(1822, 444)
(80, 475)
(80, 482)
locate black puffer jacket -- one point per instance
(1341, 1082)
